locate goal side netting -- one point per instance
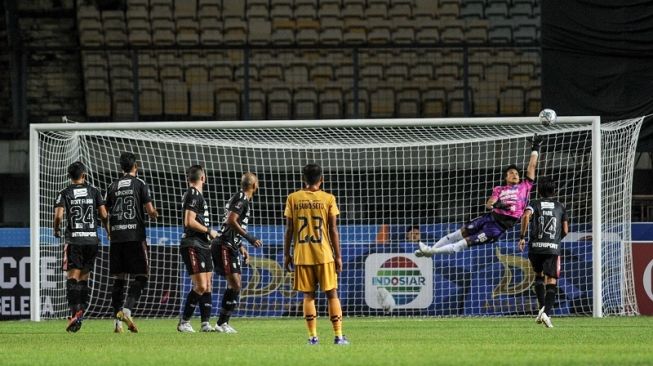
(396, 182)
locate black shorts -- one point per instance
(196, 259)
(129, 257)
(225, 259)
(547, 263)
(80, 257)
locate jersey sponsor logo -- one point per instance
(545, 245)
(548, 205)
(126, 192)
(84, 234)
(80, 192)
(403, 279)
(124, 183)
(124, 227)
(82, 201)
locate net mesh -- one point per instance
(395, 185)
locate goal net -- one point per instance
(396, 182)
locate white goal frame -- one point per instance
(35, 163)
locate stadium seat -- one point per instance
(175, 98)
(329, 9)
(496, 9)
(422, 71)
(271, 74)
(378, 30)
(500, 32)
(210, 31)
(256, 106)
(452, 30)
(305, 104)
(122, 103)
(321, 72)
(522, 71)
(257, 9)
(90, 26)
(476, 31)
(425, 9)
(331, 30)
(427, 31)
(382, 102)
(485, 99)
(150, 101)
(185, 9)
(456, 102)
(533, 100)
(400, 9)
(526, 32)
(227, 101)
(260, 31)
(201, 100)
(371, 69)
(331, 103)
(233, 9)
(98, 103)
(396, 72)
(408, 103)
(195, 69)
(449, 9)
(434, 103)
(307, 31)
(281, 9)
(353, 15)
(170, 66)
(472, 9)
(209, 9)
(139, 32)
(234, 30)
(283, 31)
(296, 74)
(511, 100)
(403, 31)
(521, 10)
(115, 28)
(187, 32)
(279, 101)
(305, 9)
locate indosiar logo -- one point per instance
(398, 281)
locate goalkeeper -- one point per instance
(507, 204)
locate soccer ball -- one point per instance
(548, 116)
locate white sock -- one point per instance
(127, 312)
(452, 238)
(459, 246)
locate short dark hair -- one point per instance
(127, 161)
(546, 187)
(312, 173)
(247, 180)
(511, 166)
(194, 173)
(76, 170)
(412, 227)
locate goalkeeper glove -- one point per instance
(536, 142)
(501, 205)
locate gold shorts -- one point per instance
(307, 277)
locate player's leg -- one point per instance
(136, 263)
(229, 302)
(206, 302)
(551, 274)
(119, 283)
(305, 280)
(328, 280)
(451, 238)
(536, 261)
(191, 260)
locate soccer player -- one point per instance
(506, 203)
(128, 252)
(227, 248)
(81, 203)
(195, 251)
(311, 216)
(548, 226)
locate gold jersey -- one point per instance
(310, 211)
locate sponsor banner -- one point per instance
(398, 281)
(643, 276)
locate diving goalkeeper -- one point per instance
(506, 205)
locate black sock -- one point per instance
(550, 297)
(206, 305)
(117, 295)
(135, 291)
(229, 302)
(191, 303)
(539, 291)
(84, 293)
(72, 294)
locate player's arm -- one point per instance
(334, 237)
(536, 143)
(104, 217)
(525, 220)
(56, 222)
(192, 224)
(287, 239)
(232, 221)
(151, 211)
(565, 225)
(494, 202)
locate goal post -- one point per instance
(388, 176)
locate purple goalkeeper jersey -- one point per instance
(515, 196)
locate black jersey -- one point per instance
(194, 201)
(546, 226)
(125, 199)
(80, 203)
(240, 205)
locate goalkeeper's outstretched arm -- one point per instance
(536, 142)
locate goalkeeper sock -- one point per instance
(549, 298)
(191, 303)
(310, 315)
(451, 248)
(539, 291)
(335, 314)
(206, 306)
(449, 239)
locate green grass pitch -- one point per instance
(374, 341)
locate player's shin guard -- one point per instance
(229, 303)
(335, 314)
(191, 303)
(539, 291)
(549, 298)
(117, 295)
(459, 246)
(84, 294)
(449, 239)
(206, 305)
(135, 290)
(72, 295)
(310, 315)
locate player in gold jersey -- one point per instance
(311, 216)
